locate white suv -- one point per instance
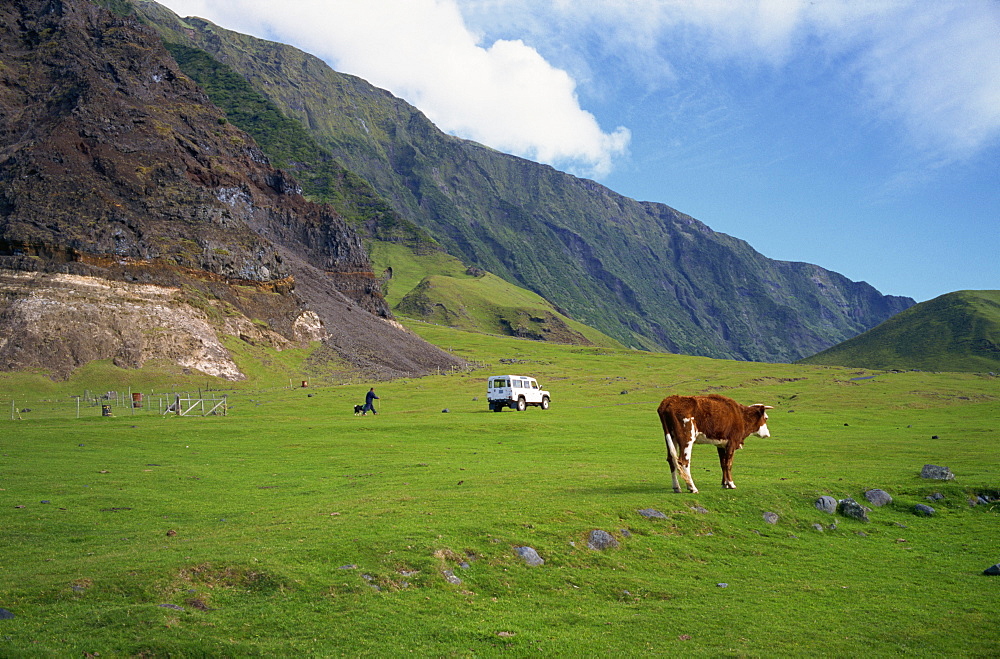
(516, 391)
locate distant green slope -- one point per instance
(955, 332)
(438, 288)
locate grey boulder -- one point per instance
(936, 472)
(850, 508)
(600, 540)
(530, 556)
(878, 498)
(827, 504)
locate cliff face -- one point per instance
(643, 273)
(115, 169)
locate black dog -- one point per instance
(358, 409)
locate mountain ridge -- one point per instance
(641, 272)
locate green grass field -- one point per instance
(292, 527)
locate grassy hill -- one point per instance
(445, 294)
(292, 526)
(955, 332)
(435, 287)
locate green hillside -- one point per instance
(290, 147)
(438, 288)
(954, 332)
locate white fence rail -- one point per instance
(115, 403)
(186, 406)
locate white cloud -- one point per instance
(935, 68)
(503, 94)
(928, 68)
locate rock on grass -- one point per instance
(601, 540)
(530, 556)
(827, 504)
(850, 508)
(936, 472)
(878, 498)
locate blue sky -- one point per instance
(863, 137)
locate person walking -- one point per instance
(369, 404)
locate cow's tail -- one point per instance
(672, 432)
(669, 435)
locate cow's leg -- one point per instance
(683, 456)
(726, 462)
(672, 460)
(686, 475)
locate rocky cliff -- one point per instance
(137, 223)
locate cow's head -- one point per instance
(759, 412)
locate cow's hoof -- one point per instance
(729, 486)
(677, 490)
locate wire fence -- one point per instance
(118, 403)
(125, 402)
(128, 401)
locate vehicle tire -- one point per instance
(545, 402)
(496, 407)
(521, 405)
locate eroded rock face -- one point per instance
(58, 322)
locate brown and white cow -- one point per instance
(714, 419)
